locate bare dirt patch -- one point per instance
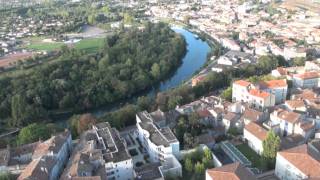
(8, 60)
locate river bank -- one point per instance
(193, 61)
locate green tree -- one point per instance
(6, 176)
(33, 133)
(299, 61)
(188, 165)
(18, 110)
(227, 94)
(199, 168)
(155, 70)
(271, 145)
(128, 19)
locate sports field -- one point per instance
(90, 45)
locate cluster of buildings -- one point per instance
(279, 30)
(39, 160)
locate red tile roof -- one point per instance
(256, 130)
(234, 171)
(242, 83)
(290, 117)
(259, 93)
(281, 83)
(308, 75)
(303, 158)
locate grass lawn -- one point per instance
(44, 46)
(255, 158)
(90, 45)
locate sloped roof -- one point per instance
(303, 158)
(234, 171)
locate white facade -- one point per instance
(306, 83)
(120, 170)
(157, 152)
(253, 142)
(284, 170)
(286, 128)
(257, 98)
(280, 93)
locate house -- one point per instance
(307, 80)
(252, 115)
(196, 80)
(279, 72)
(305, 129)
(244, 91)
(49, 158)
(278, 88)
(254, 134)
(15, 159)
(231, 120)
(296, 105)
(301, 162)
(234, 57)
(286, 121)
(234, 171)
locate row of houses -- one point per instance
(300, 162)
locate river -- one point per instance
(195, 58)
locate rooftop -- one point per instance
(158, 136)
(257, 130)
(149, 171)
(259, 93)
(281, 83)
(242, 83)
(308, 75)
(291, 117)
(251, 114)
(114, 148)
(303, 158)
(234, 171)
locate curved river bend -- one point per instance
(194, 59)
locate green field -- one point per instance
(44, 46)
(88, 45)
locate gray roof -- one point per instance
(237, 54)
(148, 172)
(115, 149)
(158, 136)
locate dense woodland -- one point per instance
(130, 61)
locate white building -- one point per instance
(279, 88)
(301, 162)
(307, 80)
(255, 135)
(161, 143)
(118, 161)
(243, 91)
(286, 121)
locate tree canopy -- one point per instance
(35, 132)
(130, 61)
